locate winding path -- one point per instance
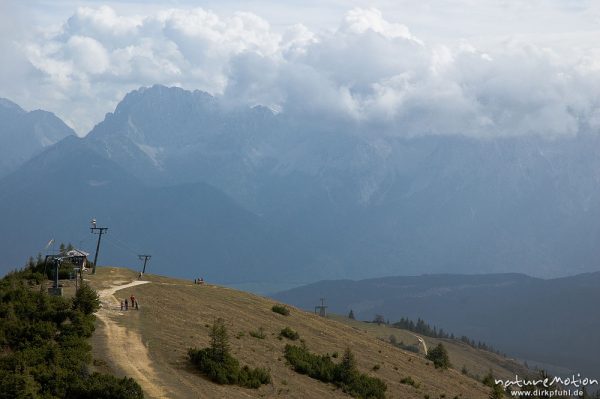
(125, 346)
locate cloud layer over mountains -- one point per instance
(369, 71)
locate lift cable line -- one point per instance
(99, 231)
(121, 246)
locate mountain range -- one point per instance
(25, 134)
(266, 200)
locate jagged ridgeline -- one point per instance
(172, 169)
(45, 351)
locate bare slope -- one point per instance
(175, 315)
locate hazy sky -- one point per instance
(476, 67)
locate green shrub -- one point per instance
(86, 300)
(224, 370)
(344, 375)
(439, 357)
(253, 378)
(289, 334)
(260, 333)
(409, 381)
(302, 361)
(227, 370)
(497, 392)
(102, 386)
(489, 379)
(219, 366)
(281, 309)
(364, 386)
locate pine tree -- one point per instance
(439, 357)
(347, 367)
(86, 300)
(489, 379)
(497, 392)
(219, 340)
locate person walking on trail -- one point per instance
(136, 305)
(121, 305)
(126, 304)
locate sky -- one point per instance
(482, 68)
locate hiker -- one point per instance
(121, 305)
(126, 304)
(132, 300)
(136, 305)
(201, 281)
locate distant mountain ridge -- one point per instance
(25, 134)
(193, 223)
(429, 203)
(335, 201)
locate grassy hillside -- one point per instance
(476, 362)
(517, 314)
(175, 315)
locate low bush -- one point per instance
(344, 375)
(409, 381)
(439, 357)
(260, 333)
(281, 309)
(219, 366)
(102, 386)
(289, 334)
(227, 370)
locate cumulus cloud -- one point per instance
(369, 71)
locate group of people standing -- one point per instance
(199, 280)
(126, 303)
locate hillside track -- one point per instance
(125, 345)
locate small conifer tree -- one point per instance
(347, 368)
(439, 357)
(219, 340)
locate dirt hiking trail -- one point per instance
(125, 346)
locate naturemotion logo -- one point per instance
(548, 386)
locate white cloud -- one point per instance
(369, 71)
(102, 23)
(88, 55)
(359, 21)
